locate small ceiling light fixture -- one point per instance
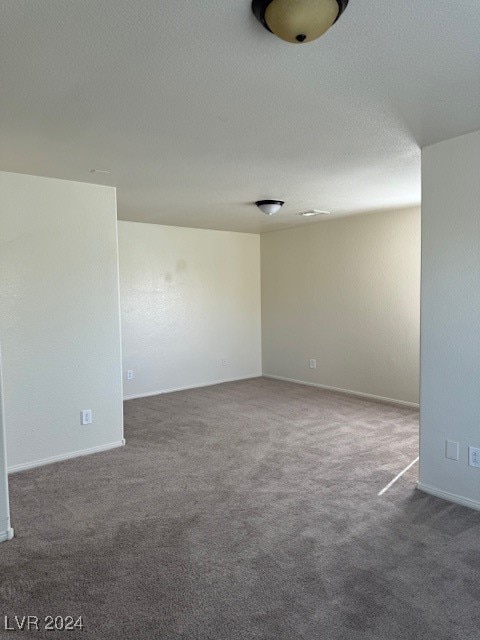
(298, 21)
(269, 207)
(105, 171)
(313, 212)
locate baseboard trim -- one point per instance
(347, 392)
(65, 456)
(6, 535)
(193, 386)
(451, 497)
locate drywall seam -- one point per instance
(193, 386)
(451, 497)
(66, 456)
(348, 392)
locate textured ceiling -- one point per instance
(197, 111)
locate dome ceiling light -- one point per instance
(269, 207)
(298, 21)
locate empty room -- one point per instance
(240, 320)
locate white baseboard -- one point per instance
(451, 497)
(192, 386)
(348, 392)
(6, 535)
(65, 456)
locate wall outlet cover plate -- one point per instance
(86, 416)
(474, 457)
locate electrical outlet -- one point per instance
(224, 363)
(313, 363)
(86, 416)
(130, 374)
(474, 457)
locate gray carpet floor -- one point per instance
(245, 511)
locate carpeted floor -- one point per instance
(245, 511)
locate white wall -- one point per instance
(190, 298)
(347, 293)
(6, 531)
(59, 318)
(450, 369)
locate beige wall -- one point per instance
(345, 292)
(450, 399)
(59, 318)
(190, 300)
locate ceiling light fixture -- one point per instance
(298, 21)
(313, 212)
(269, 207)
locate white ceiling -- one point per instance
(197, 111)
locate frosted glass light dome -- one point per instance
(298, 21)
